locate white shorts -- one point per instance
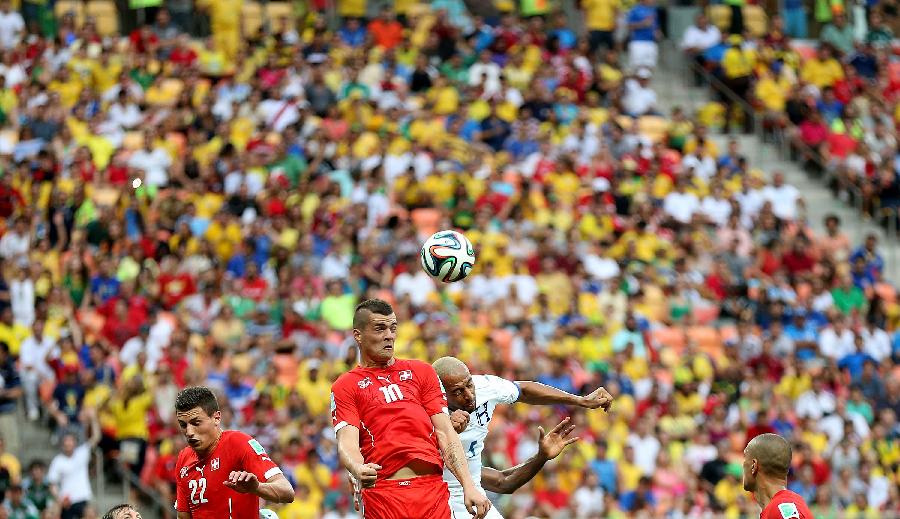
(642, 54)
(458, 509)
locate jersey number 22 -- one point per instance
(198, 491)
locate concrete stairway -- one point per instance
(674, 87)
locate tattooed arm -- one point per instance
(455, 459)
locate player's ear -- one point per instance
(357, 336)
(217, 417)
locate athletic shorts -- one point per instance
(424, 497)
(458, 508)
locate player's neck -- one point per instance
(372, 363)
(211, 448)
(766, 490)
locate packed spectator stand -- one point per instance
(290, 171)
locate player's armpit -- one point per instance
(184, 515)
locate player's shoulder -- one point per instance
(787, 504)
(349, 377)
(186, 457)
(416, 365)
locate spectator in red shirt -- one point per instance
(253, 286)
(767, 364)
(174, 286)
(760, 426)
(798, 260)
(118, 327)
(551, 498)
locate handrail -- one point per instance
(129, 481)
(720, 86)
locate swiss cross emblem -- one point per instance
(364, 383)
(184, 471)
(405, 375)
(215, 464)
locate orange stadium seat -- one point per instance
(426, 220)
(673, 338)
(653, 126)
(287, 366)
(707, 339)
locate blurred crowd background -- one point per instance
(292, 160)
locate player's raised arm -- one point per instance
(535, 393)
(550, 446)
(345, 419)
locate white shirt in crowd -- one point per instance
(877, 343)
(681, 206)
(12, 27)
(784, 200)
(702, 39)
(836, 345)
(70, 474)
(416, 286)
(815, 405)
(703, 166)
(153, 163)
(638, 100)
(21, 295)
(716, 209)
(646, 449)
(13, 245)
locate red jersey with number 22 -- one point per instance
(786, 505)
(200, 484)
(392, 408)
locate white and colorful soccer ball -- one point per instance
(448, 256)
(265, 513)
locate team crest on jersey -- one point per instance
(257, 448)
(364, 383)
(215, 464)
(406, 374)
(788, 511)
(183, 473)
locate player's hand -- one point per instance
(460, 420)
(366, 474)
(599, 399)
(243, 482)
(477, 501)
(551, 445)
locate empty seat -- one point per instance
(105, 15)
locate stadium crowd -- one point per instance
(287, 175)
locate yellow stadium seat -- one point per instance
(105, 15)
(252, 14)
(64, 7)
(275, 11)
(653, 127)
(719, 15)
(755, 20)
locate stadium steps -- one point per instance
(37, 444)
(675, 88)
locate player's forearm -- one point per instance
(454, 457)
(535, 393)
(348, 450)
(514, 477)
(277, 490)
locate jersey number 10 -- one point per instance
(391, 393)
(198, 491)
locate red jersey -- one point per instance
(786, 505)
(199, 484)
(392, 408)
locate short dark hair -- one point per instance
(370, 306)
(111, 513)
(197, 396)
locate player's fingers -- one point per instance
(568, 431)
(560, 425)
(540, 433)
(572, 440)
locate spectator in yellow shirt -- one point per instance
(600, 19)
(823, 70)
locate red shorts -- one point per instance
(424, 497)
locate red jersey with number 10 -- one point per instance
(786, 505)
(392, 408)
(200, 482)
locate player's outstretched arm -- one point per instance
(535, 393)
(455, 459)
(276, 489)
(352, 459)
(550, 446)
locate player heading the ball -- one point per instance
(393, 428)
(221, 474)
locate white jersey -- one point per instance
(489, 391)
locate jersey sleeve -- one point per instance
(431, 391)
(343, 405)
(254, 458)
(181, 501)
(502, 390)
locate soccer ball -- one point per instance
(265, 513)
(448, 256)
